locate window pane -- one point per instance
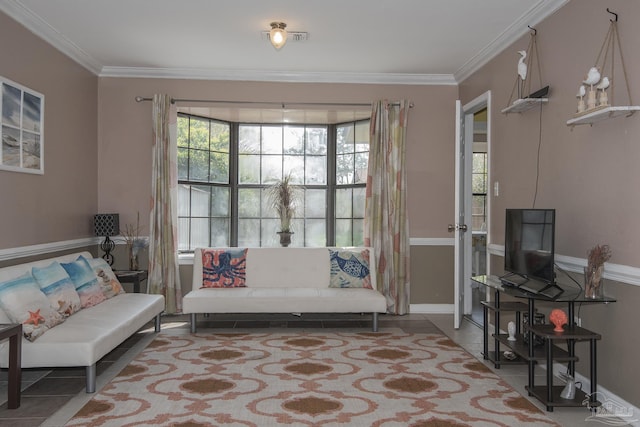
(358, 232)
(183, 234)
(199, 133)
(360, 173)
(343, 232)
(249, 233)
(294, 165)
(478, 183)
(271, 169)
(271, 140)
(359, 195)
(316, 140)
(198, 165)
(199, 232)
(316, 170)
(184, 194)
(344, 139)
(343, 203)
(294, 140)
(220, 202)
(249, 169)
(220, 136)
(249, 202)
(249, 139)
(315, 203)
(362, 137)
(183, 131)
(315, 233)
(219, 232)
(344, 169)
(219, 168)
(268, 229)
(200, 199)
(183, 164)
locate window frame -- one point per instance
(331, 186)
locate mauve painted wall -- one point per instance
(125, 137)
(58, 205)
(590, 175)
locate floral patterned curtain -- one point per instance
(386, 225)
(164, 277)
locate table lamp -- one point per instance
(107, 225)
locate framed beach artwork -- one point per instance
(21, 128)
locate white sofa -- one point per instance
(87, 335)
(283, 280)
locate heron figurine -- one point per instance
(522, 72)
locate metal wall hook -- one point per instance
(614, 14)
(535, 32)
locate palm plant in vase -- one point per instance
(282, 196)
(594, 270)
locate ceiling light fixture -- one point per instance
(278, 34)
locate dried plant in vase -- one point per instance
(134, 242)
(594, 270)
(283, 198)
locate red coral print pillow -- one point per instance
(224, 268)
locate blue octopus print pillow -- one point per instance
(224, 268)
(349, 269)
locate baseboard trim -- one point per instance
(46, 248)
(431, 308)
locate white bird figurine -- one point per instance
(522, 67)
(581, 92)
(603, 84)
(593, 77)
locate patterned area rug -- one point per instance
(327, 378)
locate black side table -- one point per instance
(135, 277)
(14, 333)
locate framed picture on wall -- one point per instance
(21, 128)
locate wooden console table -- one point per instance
(13, 332)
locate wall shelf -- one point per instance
(603, 114)
(522, 105)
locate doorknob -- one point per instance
(451, 228)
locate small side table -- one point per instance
(135, 277)
(14, 333)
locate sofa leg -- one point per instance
(375, 322)
(193, 323)
(91, 378)
(157, 323)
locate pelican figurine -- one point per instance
(593, 77)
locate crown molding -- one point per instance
(278, 76)
(539, 12)
(35, 24)
(19, 12)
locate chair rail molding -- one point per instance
(616, 272)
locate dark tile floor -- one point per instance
(46, 391)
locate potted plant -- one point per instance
(594, 270)
(283, 198)
(134, 242)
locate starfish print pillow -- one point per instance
(24, 302)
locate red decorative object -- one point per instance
(558, 318)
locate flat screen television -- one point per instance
(529, 243)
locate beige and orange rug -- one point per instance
(307, 379)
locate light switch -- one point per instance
(496, 189)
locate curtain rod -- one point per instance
(280, 104)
